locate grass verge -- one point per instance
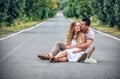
(17, 26)
(106, 29)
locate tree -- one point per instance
(40, 9)
(30, 9)
(108, 9)
(97, 9)
(78, 8)
(10, 10)
(4, 4)
(117, 13)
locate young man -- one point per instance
(88, 45)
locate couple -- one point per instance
(77, 47)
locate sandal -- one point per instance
(51, 58)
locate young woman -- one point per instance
(74, 36)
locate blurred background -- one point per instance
(16, 15)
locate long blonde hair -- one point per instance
(70, 33)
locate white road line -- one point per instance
(107, 35)
(21, 31)
(11, 52)
(18, 46)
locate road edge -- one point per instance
(113, 37)
(13, 34)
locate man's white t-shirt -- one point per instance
(89, 34)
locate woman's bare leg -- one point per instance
(63, 59)
(61, 55)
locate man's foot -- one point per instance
(43, 56)
(83, 57)
(90, 60)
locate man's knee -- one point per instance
(93, 48)
(61, 45)
(58, 43)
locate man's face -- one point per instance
(83, 26)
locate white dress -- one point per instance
(71, 56)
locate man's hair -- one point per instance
(87, 21)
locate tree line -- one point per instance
(107, 11)
(26, 10)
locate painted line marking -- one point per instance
(107, 35)
(22, 31)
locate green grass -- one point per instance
(17, 26)
(106, 29)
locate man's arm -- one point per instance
(76, 51)
(84, 45)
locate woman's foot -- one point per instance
(51, 58)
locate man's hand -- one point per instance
(71, 46)
(68, 47)
(77, 51)
(84, 45)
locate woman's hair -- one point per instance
(70, 34)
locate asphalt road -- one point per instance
(18, 55)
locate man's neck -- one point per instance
(85, 31)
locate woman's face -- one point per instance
(77, 27)
(83, 26)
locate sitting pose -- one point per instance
(88, 46)
(74, 36)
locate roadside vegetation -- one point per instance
(105, 14)
(16, 15)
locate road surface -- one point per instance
(18, 55)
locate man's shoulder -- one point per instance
(90, 34)
(91, 30)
